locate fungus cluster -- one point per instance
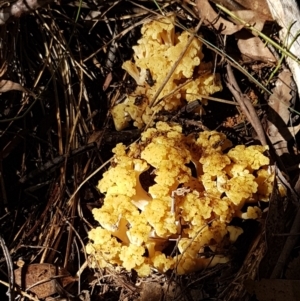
(155, 55)
(183, 191)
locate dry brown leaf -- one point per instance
(212, 18)
(253, 48)
(249, 46)
(281, 96)
(260, 6)
(8, 85)
(107, 81)
(279, 115)
(256, 19)
(41, 278)
(93, 15)
(150, 291)
(251, 17)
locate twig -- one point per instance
(10, 292)
(24, 294)
(245, 105)
(87, 178)
(79, 238)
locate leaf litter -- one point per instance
(58, 86)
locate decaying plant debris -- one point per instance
(61, 75)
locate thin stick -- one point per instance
(24, 294)
(10, 269)
(245, 105)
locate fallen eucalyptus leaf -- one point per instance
(212, 18)
(258, 6)
(8, 85)
(252, 17)
(255, 49)
(279, 114)
(41, 278)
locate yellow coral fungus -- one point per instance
(155, 55)
(195, 210)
